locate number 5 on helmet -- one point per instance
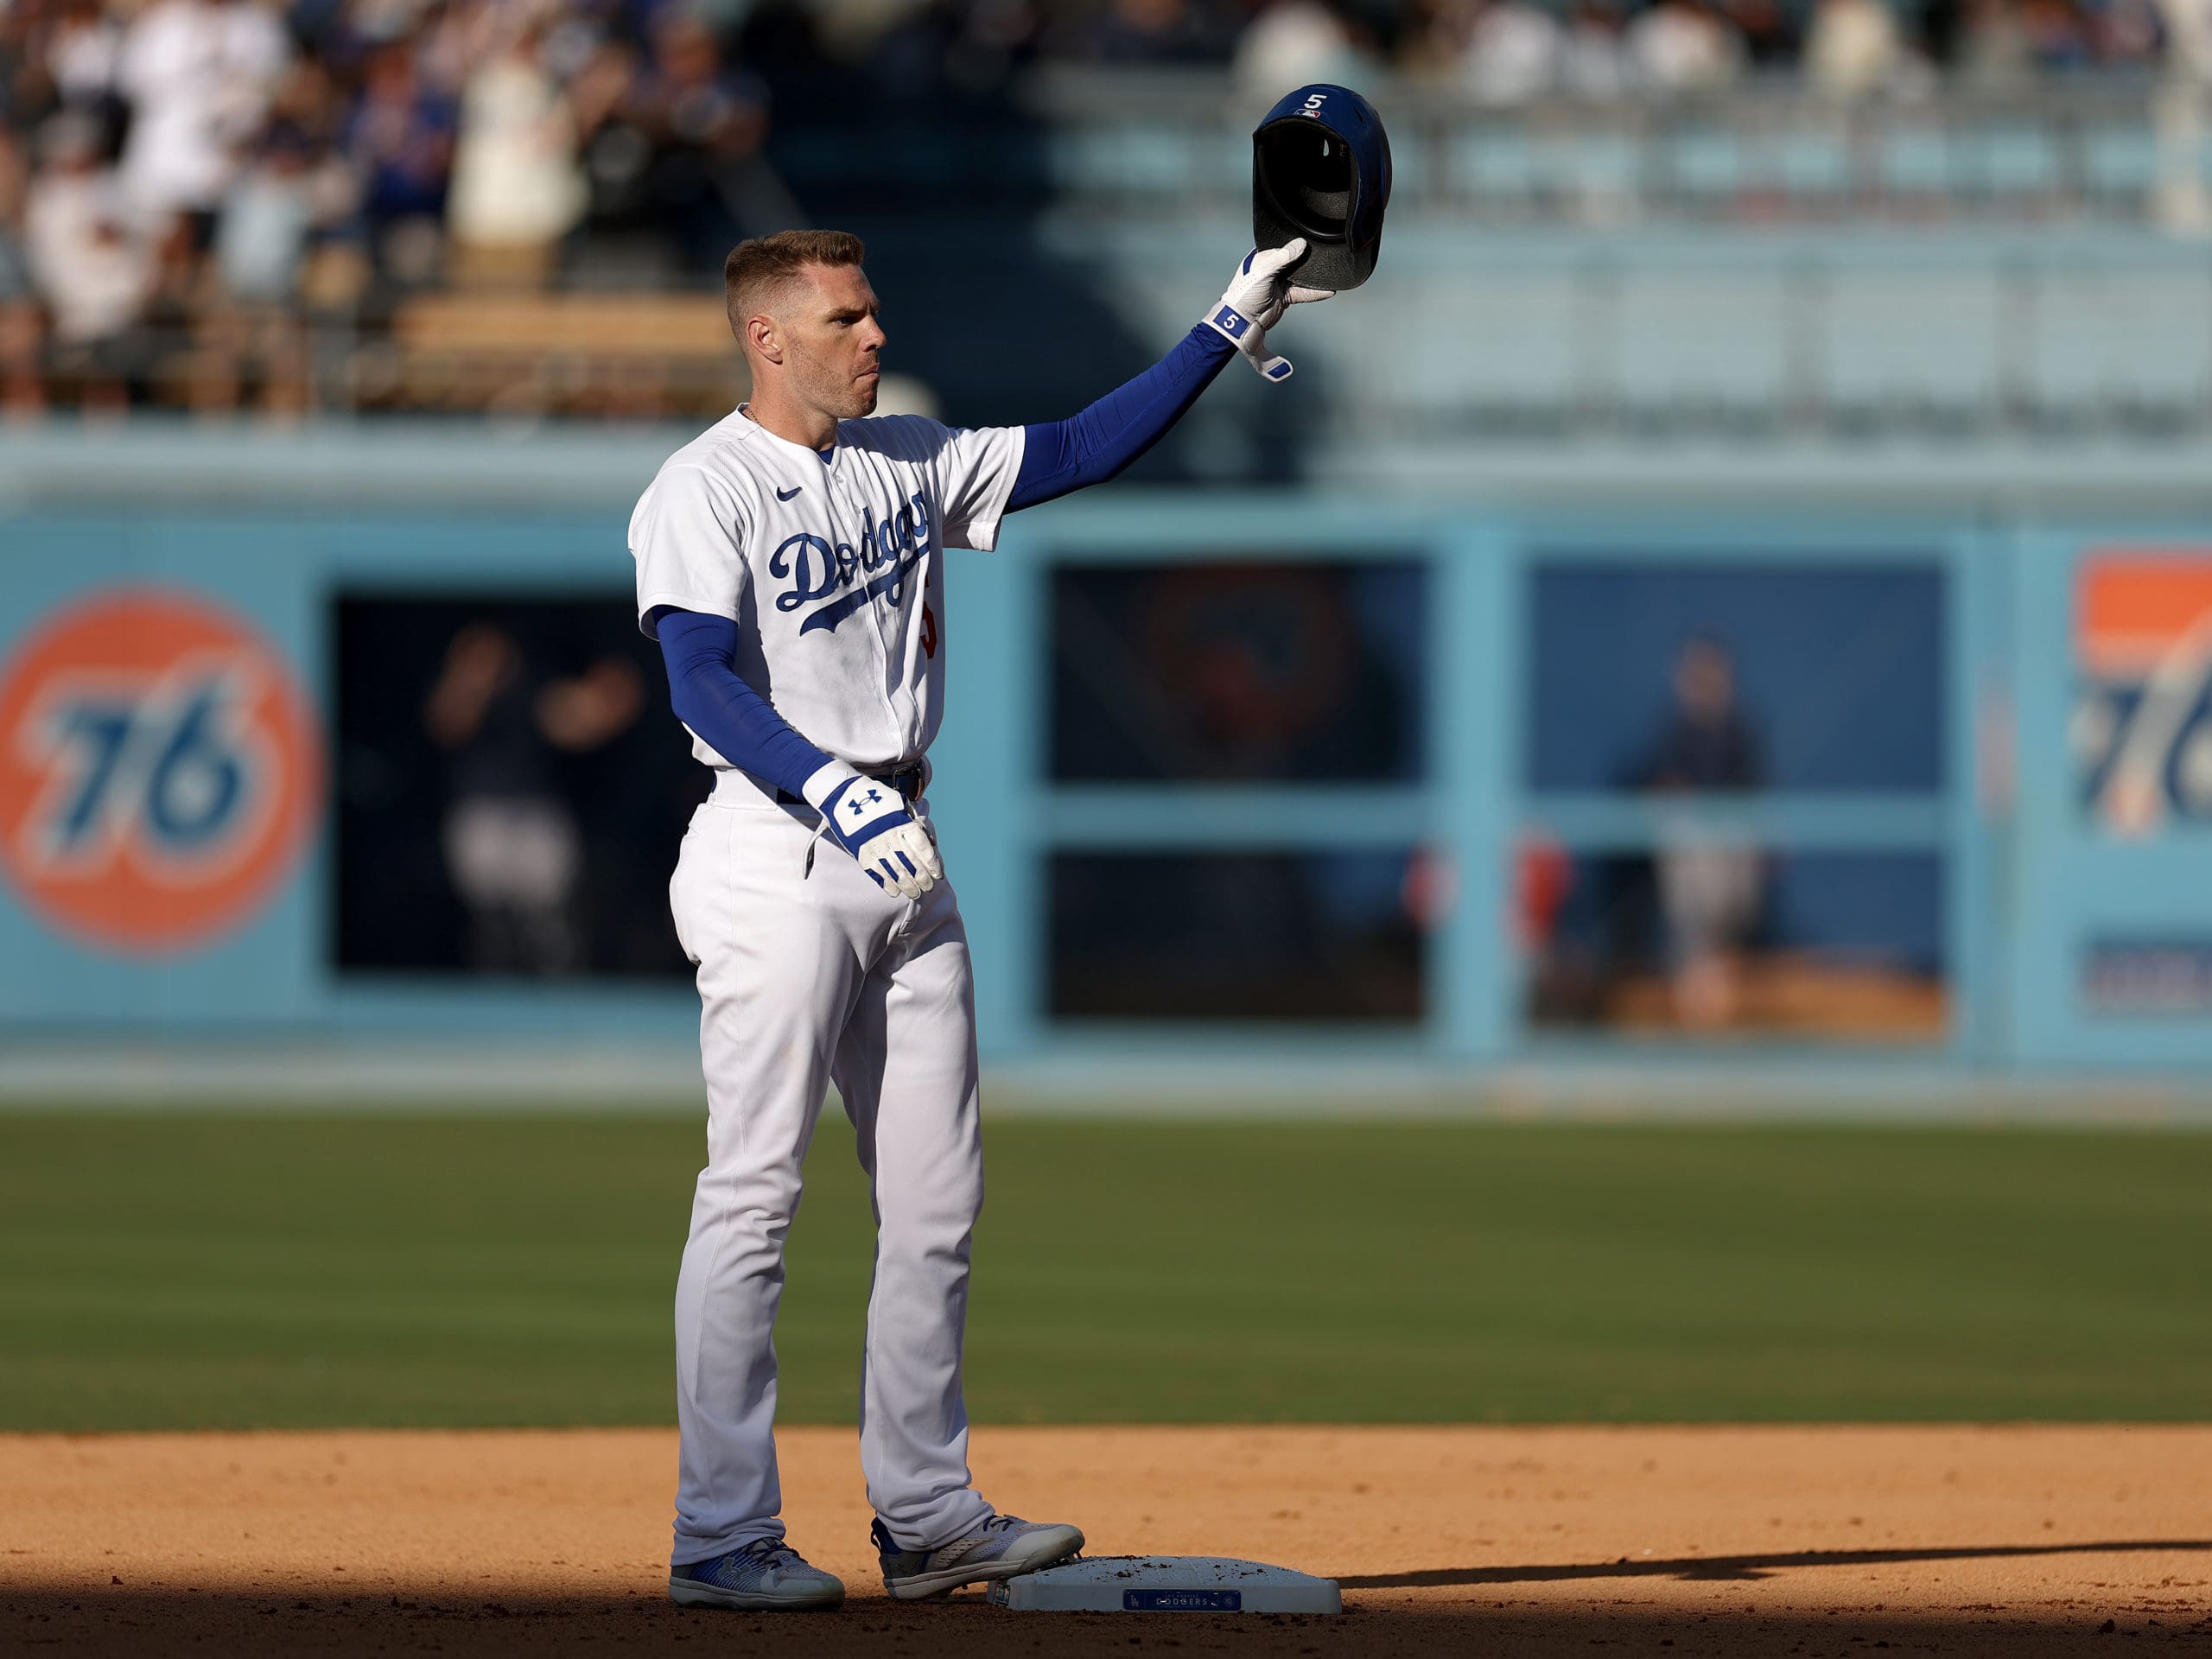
(1321, 171)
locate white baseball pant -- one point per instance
(804, 980)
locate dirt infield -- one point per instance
(1508, 1540)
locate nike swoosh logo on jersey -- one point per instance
(785, 495)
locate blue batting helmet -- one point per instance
(1321, 170)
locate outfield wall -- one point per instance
(1265, 776)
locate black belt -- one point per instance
(907, 780)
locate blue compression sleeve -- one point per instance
(1090, 448)
(735, 720)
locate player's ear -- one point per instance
(763, 336)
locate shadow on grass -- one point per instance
(1743, 1566)
(117, 1620)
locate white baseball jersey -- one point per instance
(832, 566)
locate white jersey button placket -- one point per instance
(841, 469)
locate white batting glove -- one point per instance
(872, 822)
(1256, 299)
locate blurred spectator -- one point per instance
(401, 140)
(1853, 49)
(2059, 34)
(22, 393)
(705, 122)
(1146, 31)
(88, 256)
(1939, 31)
(303, 145)
(1994, 55)
(253, 329)
(513, 848)
(170, 350)
(517, 189)
(1706, 742)
(261, 239)
(1711, 889)
(995, 38)
(1292, 43)
(197, 75)
(1681, 48)
(1594, 63)
(1514, 53)
(2128, 31)
(616, 152)
(917, 49)
(2179, 199)
(1769, 30)
(83, 60)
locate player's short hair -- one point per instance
(756, 268)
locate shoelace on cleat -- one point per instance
(771, 1553)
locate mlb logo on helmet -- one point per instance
(159, 771)
(2143, 719)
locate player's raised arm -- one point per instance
(1090, 448)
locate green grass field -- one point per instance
(194, 1271)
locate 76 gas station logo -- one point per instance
(170, 759)
(158, 771)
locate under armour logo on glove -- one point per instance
(893, 848)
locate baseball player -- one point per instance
(790, 562)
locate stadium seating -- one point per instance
(587, 353)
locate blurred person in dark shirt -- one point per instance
(2060, 35)
(1706, 742)
(1147, 31)
(703, 120)
(616, 152)
(514, 849)
(400, 138)
(29, 91)
(966, 48)
(1712, 884)
(1770, 30)
(23, 324)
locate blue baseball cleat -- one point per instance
(1004, 1547)
(760, 1577)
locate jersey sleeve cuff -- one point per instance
(648, 603)
(981, 529)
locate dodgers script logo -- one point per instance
(159, 771)
(2142, 730)
(816, 569)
